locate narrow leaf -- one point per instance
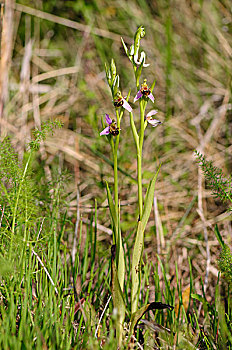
(219, 237)
(117, 296)
(128, 52)
(153, 85)
(136, 316)
(134, 130)
(138, 247)
(135, 273)
(149, 200)
(125, 47)
(198, 297)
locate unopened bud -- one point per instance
(140, 33)
(113, 69)
(108, 75)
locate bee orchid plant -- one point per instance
(143, 97)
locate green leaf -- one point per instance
(118, 300)
(125, 47)
(153, 85)
(198, 297)
(134, 131)
(135, 274)
(128, 53)
(219, 237)
(136, 316)
(149, 200)
(139, 240)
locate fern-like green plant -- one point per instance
(225, 263)
(225, 258)
(221, 188)
(220, 185)
(19, 203)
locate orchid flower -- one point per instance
(144, 91)
(119, 101)
(111, 128)
(153, 122)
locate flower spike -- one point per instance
(133, 52)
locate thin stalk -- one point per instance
(139, 159)
(118, 238)
(139, 176)
(116, 180)
(115, 158)
(134, 131)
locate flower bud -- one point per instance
(108, 75)
(115, 86)
(113, 69)
(140, 33)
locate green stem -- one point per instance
(116, 181)
(115, 156)
(139, 159)
(118, 238)
(139, 177)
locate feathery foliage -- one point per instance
(221, 186)
(225, 263)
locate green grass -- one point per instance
(49, 301)
(188, 45)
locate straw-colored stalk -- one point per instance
(6, 50)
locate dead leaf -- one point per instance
(185, 301)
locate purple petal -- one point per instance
(106, 131)
(108, 119)
(151, 97)
(154, 122)
(126, 105)
(152, 112)
(138, 96)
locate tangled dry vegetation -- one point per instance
(52, 66)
